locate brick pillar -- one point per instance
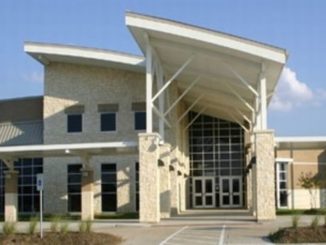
(11, 196)
(87, 194)
(165, 182)
(149, 177)
(265, 175)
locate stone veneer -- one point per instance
(11, 196)
(265, 175)
(165, 182)
(149, 177)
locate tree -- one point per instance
(312, 183)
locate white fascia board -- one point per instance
(81, 52)
(283, 159)
(56, 147)
(203, 35)
(300, 139)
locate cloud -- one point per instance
(34, 77)
(291, 92)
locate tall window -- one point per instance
(108, 121)
(74, 187)
(137, 185)
(28, 196)
(282, 192)
(74, 123)
(140, 120)
(3, 168)
(109, 187)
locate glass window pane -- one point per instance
(74, 123)
(283, 199)
(236, 200)
(235, 185)
(225, 186)
(209, 200)
(199, 201)
(226, 200)
(140, 120)
(108, 122)
(208, 186)
(198, 186)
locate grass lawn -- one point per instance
(301, 212)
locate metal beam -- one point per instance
(182, 95)
(189, 108)
(176, 74)
(157, 112)
(194, 119)
(240, 98)
(241, 125)
(263, 98)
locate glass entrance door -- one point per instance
(203, 192)
(231, 192)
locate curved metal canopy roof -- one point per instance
(228, 67)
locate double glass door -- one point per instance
(203, 192)
(231, 192)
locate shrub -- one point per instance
(32, 225)
(64, 227)
(295, 221)
(9, 228)
(314, 223)
(85, 226)
(55, 220)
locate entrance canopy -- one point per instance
(66, 150)
(225, 75)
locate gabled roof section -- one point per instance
(46, 53)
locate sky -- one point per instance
(299, 26)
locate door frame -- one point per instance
(203, 194)
(231, 205)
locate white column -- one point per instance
(263, 101)
(161, 102)
(149, 89)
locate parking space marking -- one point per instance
(196, 235)
(221, 242)
(173, 235)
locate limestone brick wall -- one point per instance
(68, 84)
(55, 185)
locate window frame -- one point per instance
(68, 184)
(278, 181)
(109, 172)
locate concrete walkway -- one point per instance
(190, 229)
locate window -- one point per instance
(137, 185)
(109, 187)
(282, 192)
(140, 120)
(108, 121)
(28, 196)
(74, 187)
(74, 123)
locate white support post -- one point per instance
(149, 89)
(263, 99)
(189, 108)
(161, 102)
(182, 95)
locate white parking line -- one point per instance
(221, 242)
(173, 235)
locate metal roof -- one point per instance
(21, 133)
(228, 67)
